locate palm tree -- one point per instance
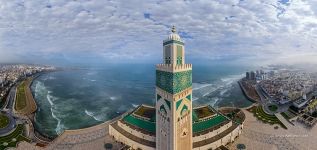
(241, 147)
(108, 146)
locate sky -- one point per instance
(101, 31)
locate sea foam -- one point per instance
(221, 86)
(113, 98)
(91, 114)
(135, 105)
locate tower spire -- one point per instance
(173, 49)
(173, 29)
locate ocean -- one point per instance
(73, 99)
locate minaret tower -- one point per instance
(173, 97)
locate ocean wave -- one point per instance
(51, 78)
(223, 92)
(59, 127)
(209, 91)
(214, 101)
(113, 98)
(91, 114)
(231, 78)
(42, 93)
(195, 98)
(40, 90)
(48, 77)
(135, 105)
(203, 89)
(220, 87)
(39, 86)
(36, 90)
(91, 73)
(51, 99)
(197, 86)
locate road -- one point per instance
(8, 109)
(10, 99)
(266, 101)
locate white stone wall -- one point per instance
(136, 133)
(224, 141)
(212, 133)
(173, 67)
(121, 138)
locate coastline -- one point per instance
(50, 137)
(49, 141)
(245, 93)
(40, 137)
(93, 137)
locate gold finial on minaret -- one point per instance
(173, 29)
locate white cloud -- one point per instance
(114, 30)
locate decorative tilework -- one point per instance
(178, 103)
(184, 109)
(174, 82)
(173, 41)
(189, 97)
(168, 103)
(158, 97)
(162, 109)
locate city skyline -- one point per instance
(118, 32)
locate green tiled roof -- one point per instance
(204, 125)
(197, 126)
(194, 117)
(146, 125)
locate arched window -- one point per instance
(179, 56)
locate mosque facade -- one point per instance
(173, 123)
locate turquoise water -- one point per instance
(81, 98)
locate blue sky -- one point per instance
(95, 31)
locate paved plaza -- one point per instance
(92, 138)
(255, 135)
(259, 136)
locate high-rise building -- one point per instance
(247, 75)
(257, 72)
(252, 75)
